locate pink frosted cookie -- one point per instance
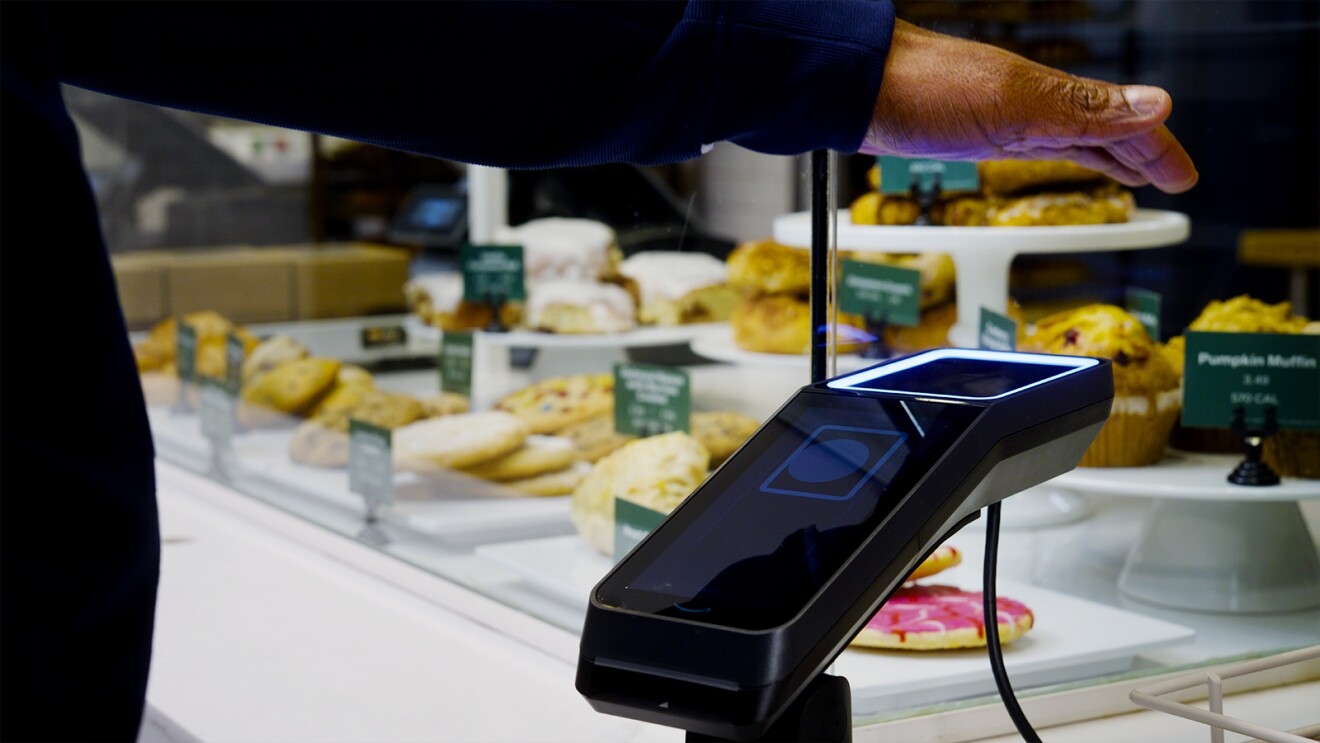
(939, 618)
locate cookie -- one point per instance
(551, 404)
(444, 403)
(322, 441)
(537, 456)
(317, 445)
(287, 390)
(722, 432)
(595, 437)
(456, 441)
(939, 618)
(561, 482)
(272, 352)
(944, 557)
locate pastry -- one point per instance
(935, 617)
(551, 404)
(444, 403)
(595, 437)
(722, 432)
(657, 472)
(768, 267)
(937, 272)
(1289, 453)
(272, 352)
(781, 324)
(944, 557)
(455, 441)
(580, 307)
(288, 390)
(437, 299)
(538, 455)
(557, 248)
(1147, 390)
(678, 288)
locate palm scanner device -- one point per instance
(746, 593)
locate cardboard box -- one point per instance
(246, 285)
(142, 279)
(349, 280)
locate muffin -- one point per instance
(1147, 390)
(1289, 453)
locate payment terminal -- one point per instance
(722, 615)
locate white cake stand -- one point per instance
(984, 255)
(1208, 545)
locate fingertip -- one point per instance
(1147, 101)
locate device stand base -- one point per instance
(822, 713)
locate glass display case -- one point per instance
(1130, 571)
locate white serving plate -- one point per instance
(1073, 638)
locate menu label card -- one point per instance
(456, 363)
(898, 173)
(218, 406)
(235, 353)
(370, 463)
(1253, 371)
(650, 399)
(631, 524)
(492, 273)
(186, 340)
(1144, 305)
(996, 332)
(880, 292)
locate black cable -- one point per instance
(992, 645)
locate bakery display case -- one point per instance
(508, 472)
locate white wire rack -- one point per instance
(1213, 678)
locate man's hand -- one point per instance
(953, 99)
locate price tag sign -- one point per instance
(235, 353)
(492, 273)
(455, 363)
(876, 291)
(631, 524)
(1253, 371)
(384, 336)
(650, 399)
(898, 173)
(218, 405)
(1144, 305)
(186, 342)
(370, 463)
(996, 332)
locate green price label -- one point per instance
(879, 292)
(456, 363)
(383, 336)
(217, 409)
(631, 524)
(897, 174)
(1251, 371)
(370, 462)
(186, 340)
(651, 399)
(996, 332)
(1144, 305)
(235, 353)
(492, 273)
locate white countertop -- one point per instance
(272, 629)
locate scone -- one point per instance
(768, 267)
(679, 288)
(781, 324)
(559, 248)
(437, 299)
(286, 392)
(656, 472)
(580, 308)
(1147, 390)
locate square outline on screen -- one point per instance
(899, 437)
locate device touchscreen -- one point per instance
(757, 541)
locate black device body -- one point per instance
(718, 619)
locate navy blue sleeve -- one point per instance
(513, 83)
